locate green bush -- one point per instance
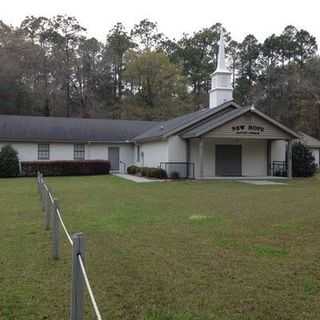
(132, 170)
(156, 173)
(65, 168)
(9, 162)
(303, 162)
(144, 171)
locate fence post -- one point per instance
(77, 292)
(41, 192)
(55, 228)
(47, 208)
(38, 181)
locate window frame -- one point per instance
(43, 151)
(79, 154)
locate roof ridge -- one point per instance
(166, 132)
(74, 118)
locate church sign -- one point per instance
(248, 129)
(248, 126)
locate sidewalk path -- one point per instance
(136, 179)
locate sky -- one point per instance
(174, 17)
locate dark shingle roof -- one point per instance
(208, 126)
(309, 141)
(54, 129)
(169, 127)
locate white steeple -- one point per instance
(221, 88)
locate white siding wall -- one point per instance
(96, 152)
(177, 149)
(278, 150)
(60, 151)
(64, 151)
(26, 151)
(154, 153)
(254, 156)
(127, 154)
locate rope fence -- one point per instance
(53, 220)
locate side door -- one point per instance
(114, 158)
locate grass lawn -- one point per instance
(162, 251)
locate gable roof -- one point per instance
(55, 129)
(309, 141)
(78, 130)
(170, 127)
(198, 131)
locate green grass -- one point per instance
(166, 251)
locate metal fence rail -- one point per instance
(279, 168)
(179, 169)
(53, 219)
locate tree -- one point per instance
(146, 35)
(306, 46)
(198, 56)
(233, 51)
(303, 164)
(66, 36)
(288, 44)
(118, 44)
(157, 82)
(248, 68)
(15, 54)
(9, 162)
(88, 74)
(37, 30)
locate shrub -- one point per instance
(149, 172)
(303, 162)
(9, 162)
(175, 175)
(144, 171)
(65, 168)
(133, 169)
(157, 173)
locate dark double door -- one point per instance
(228, 160)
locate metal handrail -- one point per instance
(279, 168)
(124, 166)
(188, 165)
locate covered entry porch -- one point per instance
(224, 157)
(242, 143)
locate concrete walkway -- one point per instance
(262, 182)
(136, 178)
(245, 178)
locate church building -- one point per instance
(223, 140)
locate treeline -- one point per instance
(50, 67)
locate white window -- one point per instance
(79, 152)
(43, 151)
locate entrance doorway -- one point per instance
(228, 160)
(114, 158)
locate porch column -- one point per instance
(289, 159)
(269, 143)
(201, 157)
